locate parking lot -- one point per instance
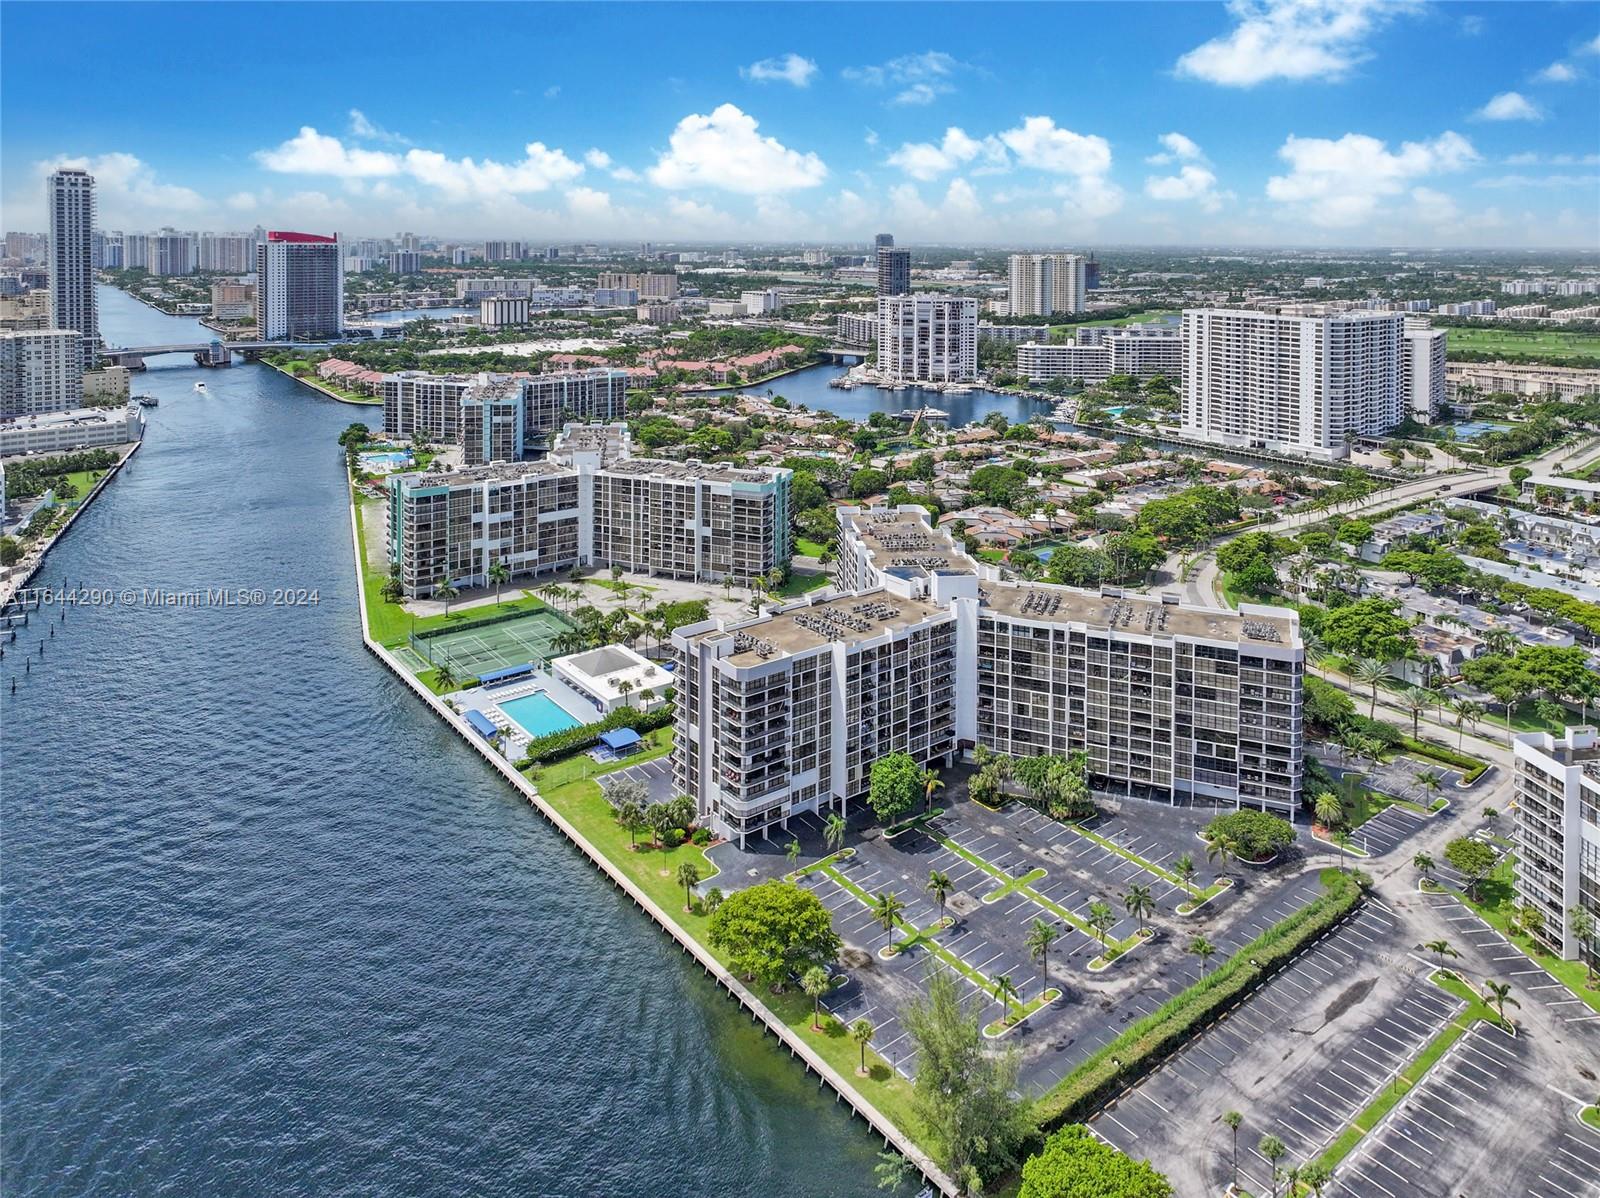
(655, 776)
(1394, 825)
(1298, 1060)
(984, 851)
(1487, 1119)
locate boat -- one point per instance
(199, 386)
(147, 401)
(922, 414)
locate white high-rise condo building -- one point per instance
(1557, 834)
(1291, 383)
(299, 287)
(41, 370)
(1422, 369)
(1045, 284)
(930, 652)
(927, 338)
(73, 304)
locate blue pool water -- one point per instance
(1468, 430)
(538, 714)
(392, 458)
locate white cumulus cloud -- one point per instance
(1337, 183)
(1509, 106)
(725, 150)
(920, 78)
(125, 184)
(1290, 39)
(360, 126)
(786, 68)
(465, 178)
(1557, 72)
(1192, 182)
(313, 153)
(1178, 149)
(1043, 145)
(925, 160)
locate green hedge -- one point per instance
(554, 746)
(1472, 769)
(1145, 1043)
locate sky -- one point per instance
(1251, 122)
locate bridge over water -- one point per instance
(206, 353)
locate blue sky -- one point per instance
(1336, 122)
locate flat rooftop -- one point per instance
(849, 619)
(491, 472)
(688, 471)
(904, 539)
(1139, 615)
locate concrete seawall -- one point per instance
(746, 998)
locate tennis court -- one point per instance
(493, 644)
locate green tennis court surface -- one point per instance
(479, 648)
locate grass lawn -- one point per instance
(577, 796)
(1414, 1072)
(616, 585)
(1496, 903)
(1538, 346)
(808, 548)
(1591, 1116)
(799, 584)
(392, 624)
(1112, 948)
(657, 743)
(1194, 891)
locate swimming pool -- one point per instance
(538, 714)
(1470, 430)
(389, 460)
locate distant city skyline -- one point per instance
(1256, 122)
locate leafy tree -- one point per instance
(1326, 706)
(867, 481)
(896, 783)
(965, 1095)
(772, 930)
(1472, 859)
(1255, 834)
(1074, 1164)
(1367, 628)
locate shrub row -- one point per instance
(554, 746)
(1472, 769)
(1143, 1044)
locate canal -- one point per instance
(270, 929)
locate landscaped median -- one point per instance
(1110, 950)
(1126, 1059)
(1198, 897)
(1415, 1070)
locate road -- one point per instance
(1201, 587)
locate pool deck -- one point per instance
(487, 700)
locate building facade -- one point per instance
(432, 404)
(1046, 284)
(930, 653)
(75, 428)
(41, 370)
(233, 301)
(1139, 352)
(894, 271)
(1292, 383)
(299, 287)
(858, 330)
(1422, 361)
(1557, 834)
(73, 302)
(927, 338)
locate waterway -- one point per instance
(810, 387)
(270, 929)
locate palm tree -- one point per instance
(1440, 949)
(1222, 849)
(886, 909)
(815, 983)
(1369, 671)
(1203, 949)
(630, 815)
(1316, 1175)
(625, 688)
(1423, 864)
(445, 676)
(1272, 1148)
(1138, 903)
(659, 819)
(862, 1032)
(1416, 700)
(1101, 917)
(1004, 993)
(1582, 925)
(939, 887)
(499, 574)
(793, 851)
(1328, 810)
(688, 876)
(1185, 869)
(1500, 995)
(930, 783)
(833, 829)
(1040, 937)
(444, 589)
(1233, 1119)
(1466, 711)
(1432, 781)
